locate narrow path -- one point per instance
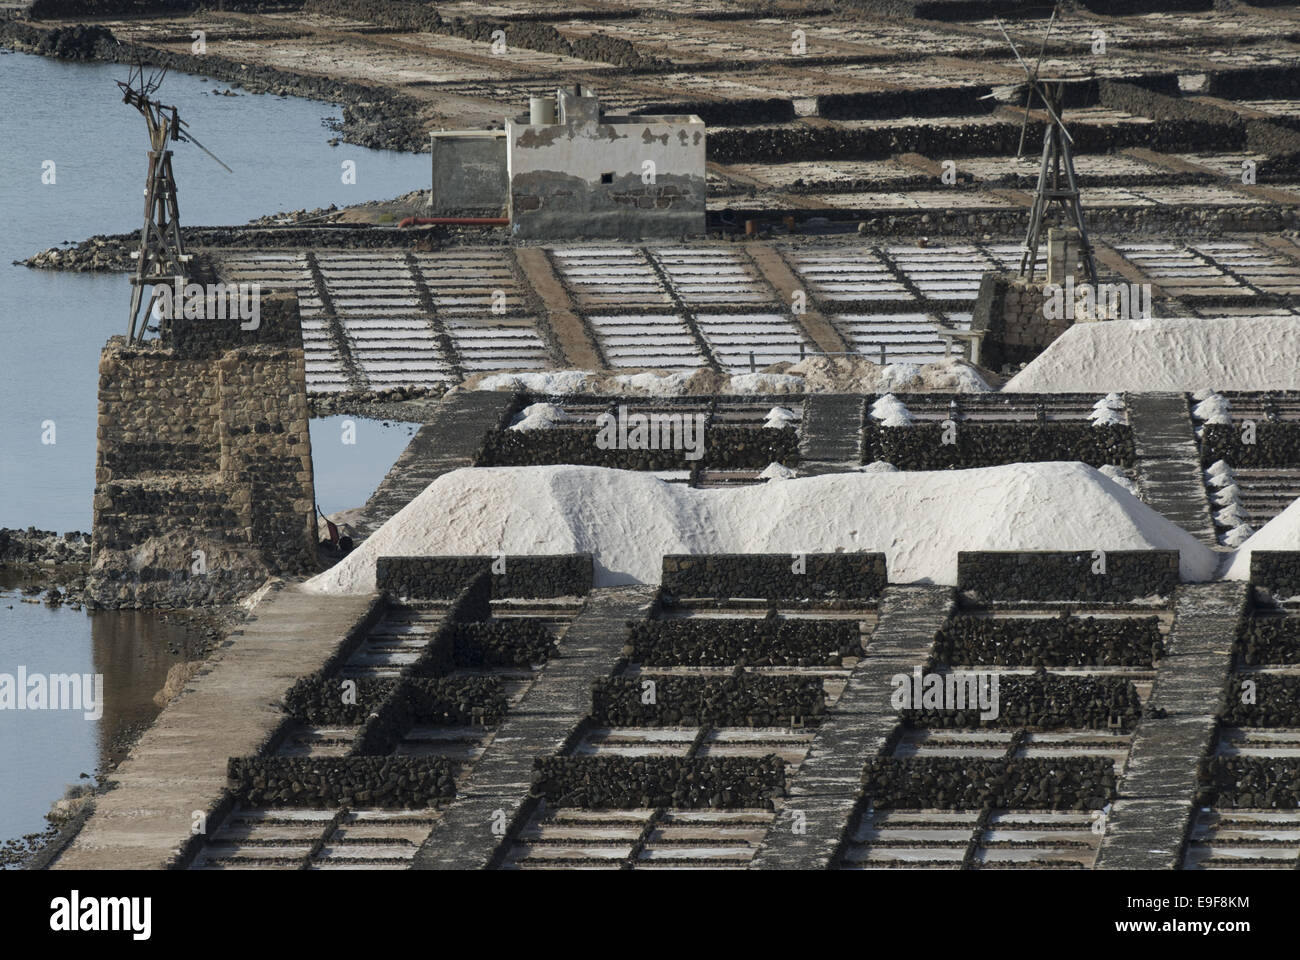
(831, 433)
(232, 709)
(1168, 461)
(575, 338)
(1148, 823)
(784, 281)
(495, 798)
(829, 782)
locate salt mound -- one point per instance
(1280, 533)
(539, 416)
(630, 520)
(765, 383)
(550, 382)
(1233, 353)
(858, 373)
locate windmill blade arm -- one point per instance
(1021, 59)
(1042, 49)
(189, 138)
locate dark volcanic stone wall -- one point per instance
(629, 783)
(825, 576)
(1262, 640)
(1066, 575)
(500, 643)
(1276, 701)
(960, 783)
(1253, 782)
(1277, 571)
(1276, 444)
(735, 447)
(437, 578)
(394, 782)
(1046, 702)
(753, 700)
(724, 641)
(1050, 641)
(921, 446)
(442, 701)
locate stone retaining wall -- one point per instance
(724, 641)
(753, 700)
(1251, 782)
(204, 482)
(1275, 444)
(921, 446)
(723, 447)
(439, 578)
(354, 781)
(629, 783)
(1044, 702)
(963, 783)
(775, 576)
(1277, 571)
(1049, 641)
(1066, 575)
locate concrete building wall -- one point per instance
(470, 175)
(583, 177)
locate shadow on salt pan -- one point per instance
(628, 521)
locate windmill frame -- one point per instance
(1057, 182)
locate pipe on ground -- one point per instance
(457, 221)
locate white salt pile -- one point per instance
(652, 384)
(1119, 478)
(628, 521)
(552, 382)
(1213, 408)
(1233, 353)
(891, 412)
(778, 471)
(779, 417)
(1280, 533)
(539, 416)
(765, 383)
(1108, 410)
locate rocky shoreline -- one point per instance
(372, 116)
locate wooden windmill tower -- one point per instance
(162, 256)
(1057, 183)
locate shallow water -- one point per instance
(44, 751)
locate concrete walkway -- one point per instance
(541, 725)
(230, 709)
(1148, 823)
(830, 437)
(829, 782)
(1168, 462)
